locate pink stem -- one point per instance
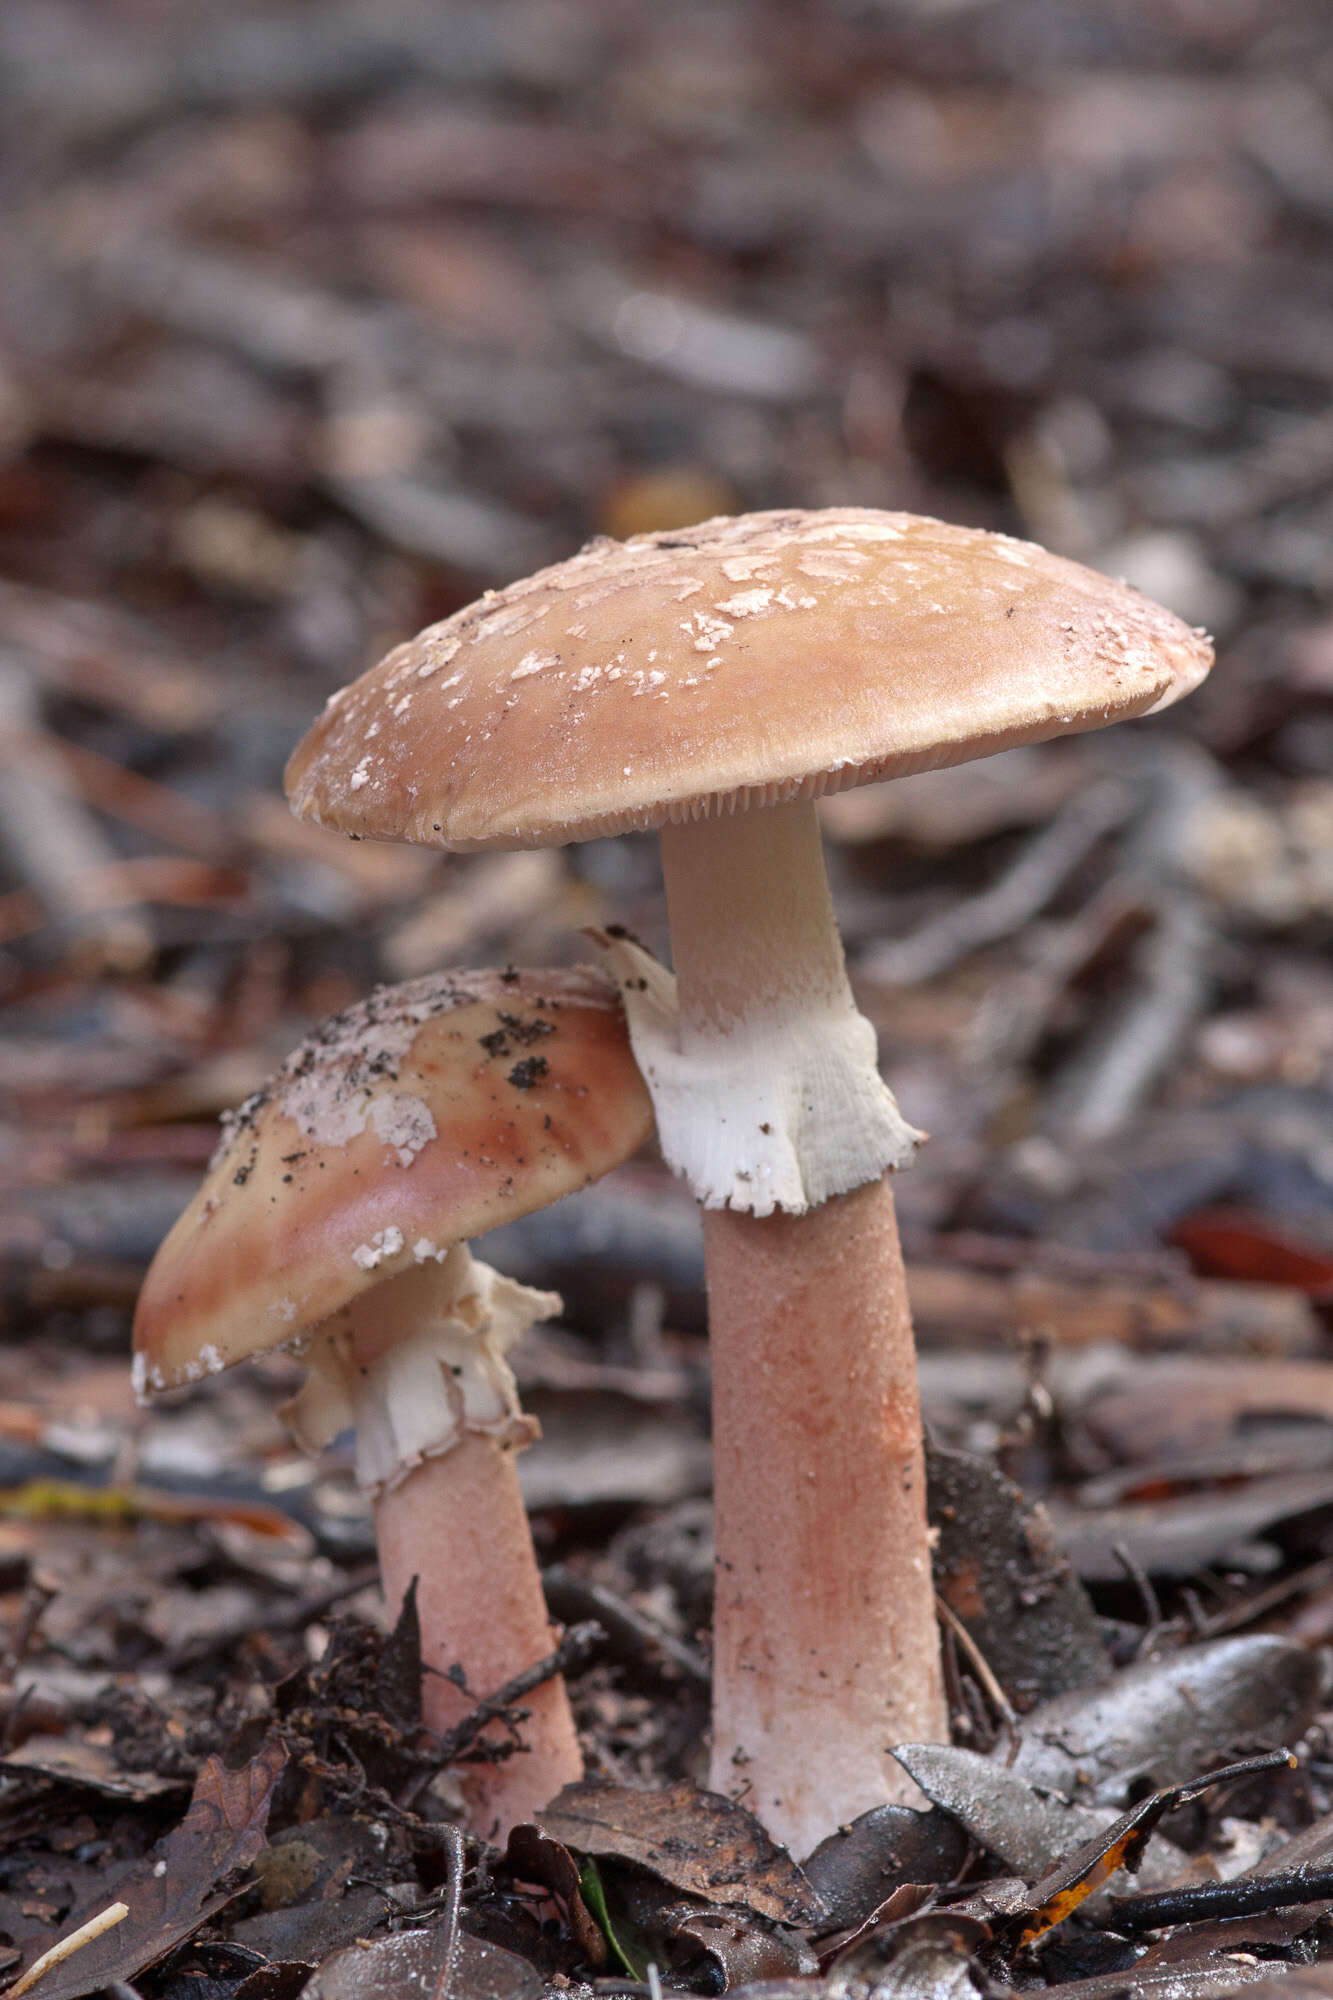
(826, 1650)
(458, 1524)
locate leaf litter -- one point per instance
(311, 328)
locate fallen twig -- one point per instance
(1117, 1066)
(976, 1659)
(452, 1837)
(1246, 1897)
(1040, 871)
(54, 845)
(567, 1594)
(101, 655)
(96, 1927)
(574, 1648)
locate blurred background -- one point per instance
(318, 319)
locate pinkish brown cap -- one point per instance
(429, 1113)
(747, 661)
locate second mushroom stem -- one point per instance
(480, 1603)
(826, 1650)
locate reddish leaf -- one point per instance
(1228, 1243)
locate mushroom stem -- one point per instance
(826, 1651)
(825, 1647)
(458, 1524)
(752, 926)
(418, 1365)
(763, 1074)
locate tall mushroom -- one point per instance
(333, 1221)
(681, 681)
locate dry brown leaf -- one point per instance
(412, 1966)
(175, 1888)
(697, 1841)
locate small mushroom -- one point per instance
(333, 1221)
(681, 681)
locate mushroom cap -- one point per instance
(426, 1114)
(747, 661)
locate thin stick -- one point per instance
(96, 1927)
(453, 1910)
(1096, 1093)
(991, 1688)
(578, 1642)
(1210, 1624)
(574, 1648)
(1247, 1897)
(1138, 1576)
(52, 842)
(569, 1596)
(1113, 1074)
(1040, 871)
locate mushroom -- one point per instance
(333, 1221)
(681, 681)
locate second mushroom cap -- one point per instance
(430, 1112)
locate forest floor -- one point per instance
(316, 322)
